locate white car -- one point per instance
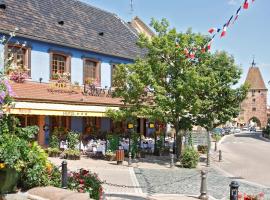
(236, 130)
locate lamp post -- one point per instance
(130, 127)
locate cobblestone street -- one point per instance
(187, 181)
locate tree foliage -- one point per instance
(169, 86)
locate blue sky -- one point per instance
(249, 36)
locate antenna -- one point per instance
(131, 7)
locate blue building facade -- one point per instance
(52, 40)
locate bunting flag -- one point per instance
(191, 53)
(228, 23)
(224, 30)
(212, 30)
(245, 6)
(237, 14)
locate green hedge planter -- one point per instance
(9, 178)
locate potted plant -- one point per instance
(53, 150)
(72, 152)
(110, 155)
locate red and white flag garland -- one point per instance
(191, 53)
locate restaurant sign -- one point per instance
(62, 87)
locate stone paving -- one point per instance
(187, 181)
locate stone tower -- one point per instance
(254, 107)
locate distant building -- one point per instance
(141, 27)
(254, 107)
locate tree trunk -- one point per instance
(178, 142)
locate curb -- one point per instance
(135, 181)
(265, 139)
(154, 196)
(34, 197)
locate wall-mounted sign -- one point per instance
(130, 126)
(151, 125)
(57, 87)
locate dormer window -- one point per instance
(61, 23)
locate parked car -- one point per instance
(218, 131)
(245, 128)
(227, 130)
(236, 130)
(252, 129)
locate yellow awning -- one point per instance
(50, 109)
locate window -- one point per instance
(253, 93)
(28, 120)
(19, 56)
(253, 109)
(253, 100)
(60, 63)
(91, 124)
(60, 122)
(91, 71)
(113, 72)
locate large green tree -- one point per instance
(169, 85)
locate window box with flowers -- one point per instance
(18, 74)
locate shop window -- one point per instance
(60, 122)
(60, 64)
(19, 56)
(92, 125)
(28, 120)
(91, 71)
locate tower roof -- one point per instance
(254, 79)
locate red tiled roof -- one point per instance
(40, 92)
(254, 79)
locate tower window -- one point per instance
(253, 109)
(254, 100)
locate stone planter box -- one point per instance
(8, 180)
(72, 157)
(54, 154)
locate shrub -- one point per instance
(85, 181)
(54, 152)
(73, 139)
(54, 142)
(113, 142)
(72, 154)
(216, 137)
(202, 148)
(190, 158)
